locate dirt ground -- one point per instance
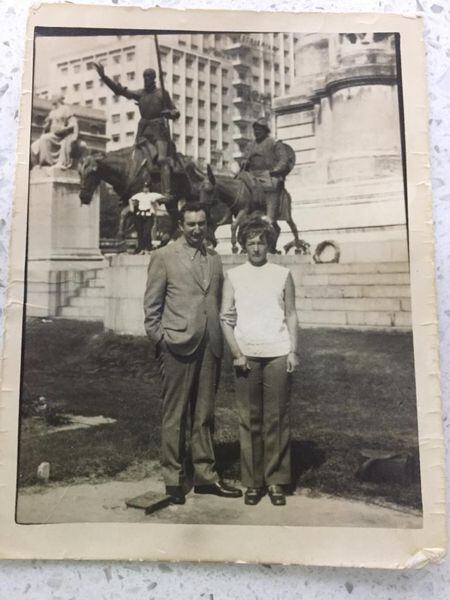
(105, 502)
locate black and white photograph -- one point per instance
(217, 321)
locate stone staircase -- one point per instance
(346, 295)
(88, 303)
(361, 296)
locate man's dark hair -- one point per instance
(256, 225)
(192, 207)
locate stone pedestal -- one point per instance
(63, 239)
(342, 120)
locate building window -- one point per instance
(224, 91)
(116, 137)
(64, 70)
(224, 72)
(131, 76)
(130, 56)
(102, 101)
(130, 115)
(201, 85)
(201, 66)
(76, 68)
(213, 88)
(189, 101)
(213, 125)
(116, 58)
(189, 82)
(255, 61)
(63, 90)
(201, 122)
(189, 120)
(225, 126)
(89, 65)
(176, 98)
(213, 69)
(189, 61)
(201, 141)
(176, 58)
(76, 87)
(201, 104)
(130, 135)
(89, 85)
(89, 103)
(213, 105)
(115, 118)
(176, 78)
(116, 99)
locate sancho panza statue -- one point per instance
(153, 133)
(54, 147)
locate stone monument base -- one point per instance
(63, 240)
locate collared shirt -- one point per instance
(199, 258)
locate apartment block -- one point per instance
(220, 82)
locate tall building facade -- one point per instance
(219, 82)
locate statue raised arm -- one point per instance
(153, 132)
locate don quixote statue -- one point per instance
(153, 161)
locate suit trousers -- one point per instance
(262, 396)
(189, 385)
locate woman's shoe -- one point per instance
(276, 495)
(253, 496)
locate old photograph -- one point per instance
(217, 322)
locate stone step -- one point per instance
(84, 313)
(355, 268)
(353, 291)
(354, 304)
(337, 318)
(83, 301)
(344, 279)
(90, 273)
(96, 283)
(92, 292)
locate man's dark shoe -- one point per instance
(219, 488)
(276, 495)
(253, 496)
(176, 494)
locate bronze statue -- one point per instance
(55, 145)
(264, 168)
(153, 132)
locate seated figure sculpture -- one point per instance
(54, 146)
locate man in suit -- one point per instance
(181, 307)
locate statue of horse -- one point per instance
(240, 200)
(127, 170)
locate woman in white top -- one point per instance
(260, 324)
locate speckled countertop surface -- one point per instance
(73, 581)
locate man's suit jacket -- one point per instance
(178, 305)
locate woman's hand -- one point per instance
(292, 362)
(241, 364)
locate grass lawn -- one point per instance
(353, 391)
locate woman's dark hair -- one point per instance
(256, 225)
